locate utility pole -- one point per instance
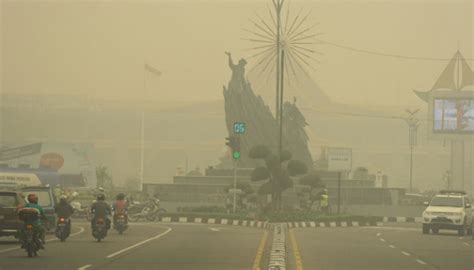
(413, 124)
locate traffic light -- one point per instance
(234, 143)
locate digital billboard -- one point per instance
(453, 115)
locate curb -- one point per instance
(312, 224)
(217, 221)
(403, 219)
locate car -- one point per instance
(47, 200)
(448, 210)
(10, 201)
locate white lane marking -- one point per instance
(8, 249)
(139, 244)
(81, 230)
(405, 253)
(378, 234)
(383, 240)
(84, 267)
(391, 246)
(214, 229)
(466, 244)
(461, 238)
(420, 261)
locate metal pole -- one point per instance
(235, 186)
(281, 101)
(277, 4)
(462, 165)
(411, 168)
(338, 192)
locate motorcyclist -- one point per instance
(100, 209)
(120, 206)
(38, 224)
(65, 210)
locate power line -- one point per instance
(385, 54)
(357, 114)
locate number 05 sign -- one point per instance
(239, 127)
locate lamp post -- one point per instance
(413, 124)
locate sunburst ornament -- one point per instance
(282, 47)
(290, 33)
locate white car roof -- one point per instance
(450, 195)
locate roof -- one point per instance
(456, 76)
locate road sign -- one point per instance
(239, 127)
(339, 159)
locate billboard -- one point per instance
(453, 115)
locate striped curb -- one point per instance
(217, 221)
(333, 224)
(277, 259)
(403, 219)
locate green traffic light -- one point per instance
(236, 154)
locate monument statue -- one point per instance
(243, 105)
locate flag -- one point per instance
(152, 70)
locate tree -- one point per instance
(278, 171)
(314, 183)
(104, 179)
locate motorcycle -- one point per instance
(100, 229)
(149, 211)
(62, 229)
(120, 223)
(31, 240)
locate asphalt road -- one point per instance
(393, 246)
(144, 246)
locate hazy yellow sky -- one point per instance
(98, 47)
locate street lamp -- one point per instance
(413, 124)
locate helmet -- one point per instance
(120, 196)
(32, 198)
(101, 197)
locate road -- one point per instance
(392, 246)
(170, 246)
